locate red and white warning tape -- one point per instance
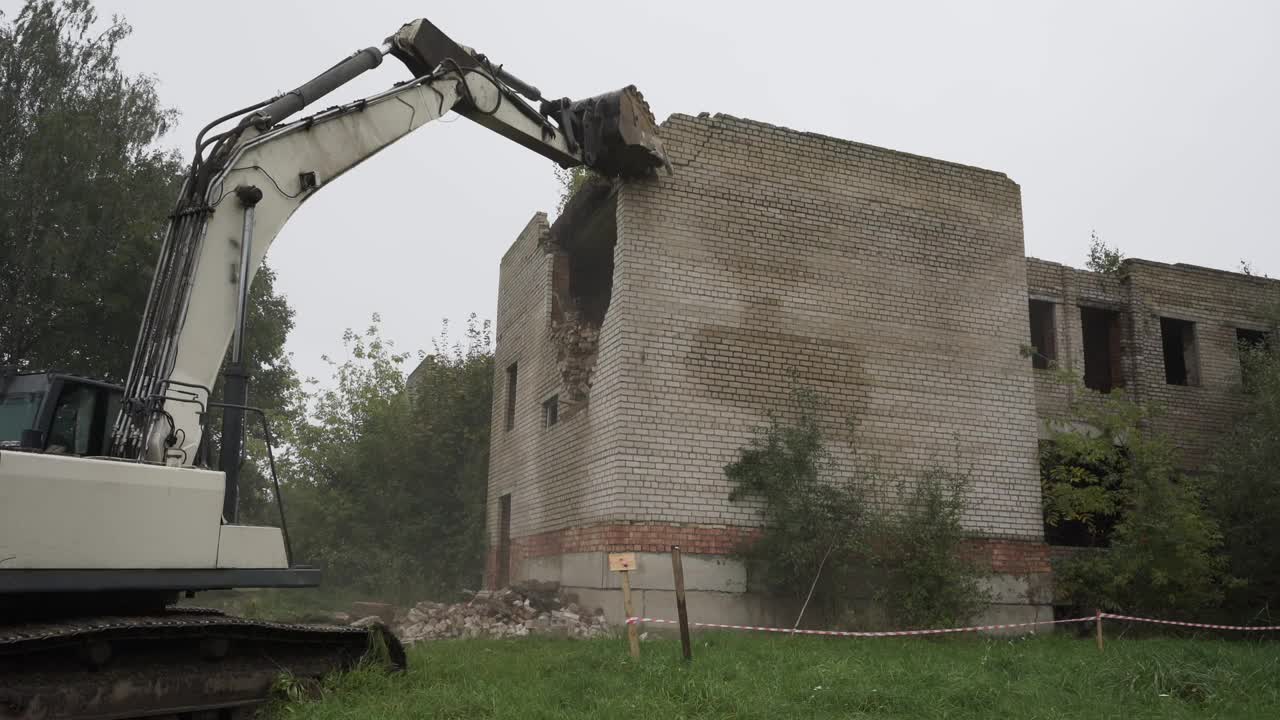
(1190, 624)
(848, 633)
(943, 631)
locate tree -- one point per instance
(86, 191)
(1245, 478)
(451, 395)
(1118, 483)
(388, 476)
(346, 467)
(1082, 475)
(1103, 258)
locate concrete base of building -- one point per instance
(997, 614)
(703, 606)
(717, 592)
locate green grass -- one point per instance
(753, 676)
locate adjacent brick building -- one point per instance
(642, 338)
(1166, 335)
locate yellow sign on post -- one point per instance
(624, 563)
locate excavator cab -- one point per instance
(57, 413)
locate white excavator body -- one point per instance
(110, 506)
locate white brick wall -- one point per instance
(895, 284)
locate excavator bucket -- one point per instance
(615, 133)
(618, 134)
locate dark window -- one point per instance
(1101, 334)
(1181, 361)
(551, 411)
(17, 413)
(71, 427)
(1250, 342)
(1042, 334)
(1253, 339)
(504, 542)
(511, 396)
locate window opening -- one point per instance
(1181, 361)
(551, 411)
(1100, 330)
(511, 397)
(1042, 334)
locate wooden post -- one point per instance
(624, 563)
(633, 638)
(677, 569)
(1098, 623)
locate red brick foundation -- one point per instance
(1007, 557)
(1010, 557)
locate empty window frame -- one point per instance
(551, 411)
(1042, 334)
(1253, 339)
(511, 397)
(1181, 359)
(1100, 331)
(1250, 341)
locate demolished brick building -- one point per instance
(642, 339)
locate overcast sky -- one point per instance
(1153, 123)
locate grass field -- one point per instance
(753, 676)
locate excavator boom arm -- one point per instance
(256, 175)
(85, 627)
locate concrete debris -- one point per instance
(367, 621)
(527, 609)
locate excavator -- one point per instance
(111, 506)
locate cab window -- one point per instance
(17, 413)
(71, 428)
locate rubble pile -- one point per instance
(525, 609)
(578, 342)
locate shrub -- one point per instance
(852, 538)
(1245, 477)
(927, 581)
(814, 525)
(1113, 472)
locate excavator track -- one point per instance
(184, 662)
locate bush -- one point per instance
(852, 539)
(813, 525)
(1245, 481)
(1118, 481)
(1080, 488)
(927, 579)
(386, 478)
